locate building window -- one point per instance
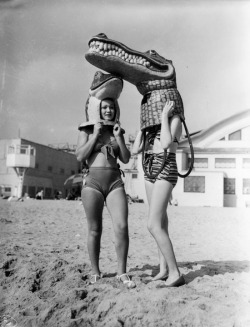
(229, 185)
(200, 162)
(195, 184)
(246, 163)
(7, 189)
(62, 171)
(246, 186)
(37, 165)
(50, 168)
(225, 163)
(134, 176)
(236, 136)
(73, 172)
(222, 139)
(48, 192)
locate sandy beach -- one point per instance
(44, 268)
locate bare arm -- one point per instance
(124, 154)
(85, 145)
(138, 144)
(169, 127)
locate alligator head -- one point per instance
(133, 66)
(153, 75)
(103, 86)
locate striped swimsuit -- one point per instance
(152, 161)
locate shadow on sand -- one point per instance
(200, 268)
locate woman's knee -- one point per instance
(150, 227)
(121, 229)
(153, 227)
(95, 232)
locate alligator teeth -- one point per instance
(107, 49)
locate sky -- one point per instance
(45, 78)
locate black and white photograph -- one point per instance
(124, 163)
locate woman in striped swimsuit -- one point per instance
(159, 140)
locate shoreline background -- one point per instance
(44, 268)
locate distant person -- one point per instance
(161, 140)
(58, 195)
(39, 195)
(101, 145)
(26, 196)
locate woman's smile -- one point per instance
(107, 109)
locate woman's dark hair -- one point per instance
(111, 99)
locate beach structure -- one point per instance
(27, 168)
(221, 173)
(20, 158)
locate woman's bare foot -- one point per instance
(172, 279)
(161, 276)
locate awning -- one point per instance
(74, 180)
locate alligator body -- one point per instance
(103, 86)
(153, 75)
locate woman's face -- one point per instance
(107, 109)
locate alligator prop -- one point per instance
(153, 75)
(103, 86)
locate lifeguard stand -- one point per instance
(21, 157)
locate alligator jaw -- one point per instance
(131, 65)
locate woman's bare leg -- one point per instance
(157, 214)
(93, 203)
(117, 205)
(162, 261)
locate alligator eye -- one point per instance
(102, 35)
(152, 53)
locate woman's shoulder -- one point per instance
(87, 130)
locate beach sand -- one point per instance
(44, 268)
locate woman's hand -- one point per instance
(117, 130)
(97, 128)
(168, 108)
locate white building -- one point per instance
(47, 168)
(221, 173)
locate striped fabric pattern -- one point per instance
(152, 163)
